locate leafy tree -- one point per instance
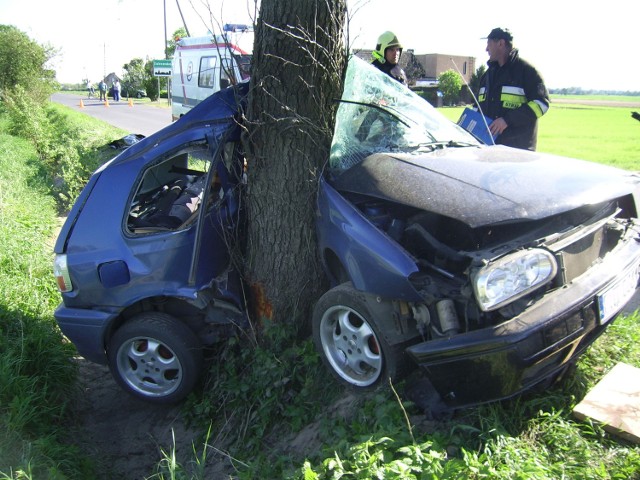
(297, 70)
(414, 68)
(450, 83)
(153, 84)
(23, 62)
(134, 76)
(474, 83)
(171, 42)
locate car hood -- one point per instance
(486, 185)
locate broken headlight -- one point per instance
(512, 276)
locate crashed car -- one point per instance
(486, 268)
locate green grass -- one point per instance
(606, 98)
(605, 135)
(36, 371)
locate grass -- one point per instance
(281, 396)
(36, 371)
(605, 135)
(605, 98)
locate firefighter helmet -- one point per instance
(386, 40)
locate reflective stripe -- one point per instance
(538, 107)
(513, 90)
(512, 97)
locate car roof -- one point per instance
(221, 107)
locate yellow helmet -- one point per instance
(386, 40)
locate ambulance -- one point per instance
(203, 65)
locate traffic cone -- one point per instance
(106, 102)
(81, 104)
(131, 102)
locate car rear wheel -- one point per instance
(155, 357)
(347, 336)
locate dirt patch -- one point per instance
(126, 437)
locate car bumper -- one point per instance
(86, 330)
(502, 361)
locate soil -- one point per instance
(124, 436)
(127, 438)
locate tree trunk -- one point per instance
(297, 71)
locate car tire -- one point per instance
(363, 359)
(155, 357)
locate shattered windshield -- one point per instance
(379, 114)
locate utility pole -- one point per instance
(166, 48)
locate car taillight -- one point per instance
(61, 273)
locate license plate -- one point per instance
(617, 295)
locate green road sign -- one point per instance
(162, 68)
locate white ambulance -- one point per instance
(202, 66)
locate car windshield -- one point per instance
(379, 114)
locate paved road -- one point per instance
(138, 118)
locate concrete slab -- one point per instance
(615, 402)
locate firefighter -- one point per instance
(512, 93)
(387, 55)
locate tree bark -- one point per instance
(297, 73)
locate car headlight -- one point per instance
(513, 276)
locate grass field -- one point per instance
(600, 134)
(603, 98)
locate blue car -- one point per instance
(484, 270)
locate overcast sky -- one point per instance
(571, 44)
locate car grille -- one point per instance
(578, 252)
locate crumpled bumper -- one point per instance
(507, 359)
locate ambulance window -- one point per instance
(207, 70)
(227, 75)
(244, 65)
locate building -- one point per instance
(435, 64)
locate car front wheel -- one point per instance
(347, 336)
(155, 357)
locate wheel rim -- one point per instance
(351, 346)
(149, 366)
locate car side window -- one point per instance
(207, 70)
(170, 192)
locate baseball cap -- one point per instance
(499, 34)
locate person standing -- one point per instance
(102, 88)
(512, 93)
(89, 89)
(387, 55)
(116, 90)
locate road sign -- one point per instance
(162, 68)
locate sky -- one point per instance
(570, 44)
